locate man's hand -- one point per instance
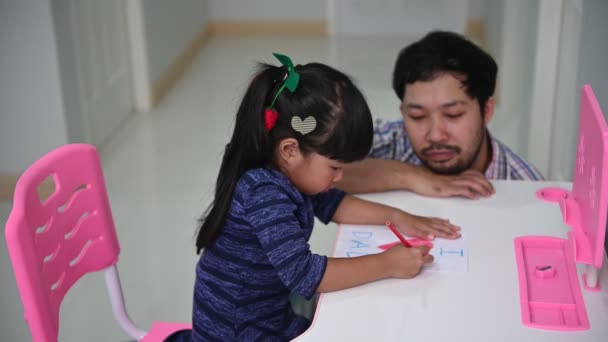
(376, 175)
(470, 184)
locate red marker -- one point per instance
(398, 234)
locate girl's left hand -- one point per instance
(425, 227)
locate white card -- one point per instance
(353, 240)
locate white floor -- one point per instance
(160, 170)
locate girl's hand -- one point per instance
(425, 227)
(405, 263)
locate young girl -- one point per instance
(295, 130)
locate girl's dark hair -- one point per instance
(344, 130)
(442, 52)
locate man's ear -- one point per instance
(289, 150)
(488, 112)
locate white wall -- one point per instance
(537, 114)
(476, 8)
(492, 14)
(567, 93)
(529, 13)
(74, 118)
(587, 65)
(278, 10)
(31, 108)
(511, 40)
(170, 27)
(593, 51)
(34, 115)
(412, 18)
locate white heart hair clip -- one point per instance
(303, 127)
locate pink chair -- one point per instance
(53, 243)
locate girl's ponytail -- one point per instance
(248, 148)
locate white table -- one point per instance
(479, 305)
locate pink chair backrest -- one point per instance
(53, 243)
(590, 185)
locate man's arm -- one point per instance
(377, 175)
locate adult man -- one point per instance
(442, 146)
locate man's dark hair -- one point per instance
(442, 52)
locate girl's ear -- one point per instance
(289, 151)
(289, 148)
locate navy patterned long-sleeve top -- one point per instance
(244, 278)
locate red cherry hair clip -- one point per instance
(270, 118)
(290, 81)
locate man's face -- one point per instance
(444, 124)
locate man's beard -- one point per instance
(461, 165)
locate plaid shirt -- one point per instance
(391, 142)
